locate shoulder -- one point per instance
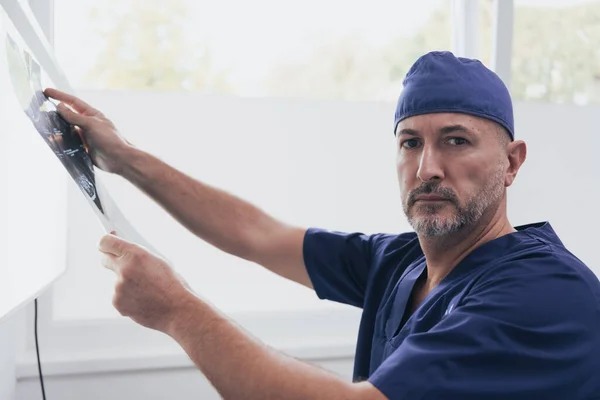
(538, 253)
(535, 250)
(544, 284)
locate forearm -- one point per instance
(240, 367)
(217, 217)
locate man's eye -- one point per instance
(457, 141)
(410, 143)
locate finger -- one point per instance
(109, 261)
(76, 103)
(79, 132)
(114, 245)
(72, 117)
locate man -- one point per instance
(466, 307)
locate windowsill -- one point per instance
(103, 363)
(70, 348)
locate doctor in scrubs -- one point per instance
(465, 307)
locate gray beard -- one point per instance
(431, 225)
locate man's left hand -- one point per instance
(148, 290)
(238, 366)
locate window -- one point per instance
(317, 49)
(564, 66)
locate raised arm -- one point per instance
(220, 218)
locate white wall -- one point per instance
(343, 147)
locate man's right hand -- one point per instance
(105, 145)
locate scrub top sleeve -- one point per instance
(514, 337)
(338, 264)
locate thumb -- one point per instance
(72, 117)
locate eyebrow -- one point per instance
(443, 131)
(454, 128)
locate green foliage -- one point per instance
(556, 55)
(146, 49)
(351, 69)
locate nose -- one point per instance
(430, 166)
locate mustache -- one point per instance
(432, 188)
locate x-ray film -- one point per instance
(60, 136)
(28, 80)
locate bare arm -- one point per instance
(220, 218)
(227, 222)
(238, 366)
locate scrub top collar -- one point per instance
(478, 258)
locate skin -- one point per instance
(469, 162)
(151, 293)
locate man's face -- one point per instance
(451, 170)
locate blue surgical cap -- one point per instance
(439, 82)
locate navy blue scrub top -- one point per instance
(518, 318)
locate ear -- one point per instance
(516, 152)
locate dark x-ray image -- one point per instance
(59, 135)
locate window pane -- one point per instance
(556, 51)
(486, 12)
(315, 48)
